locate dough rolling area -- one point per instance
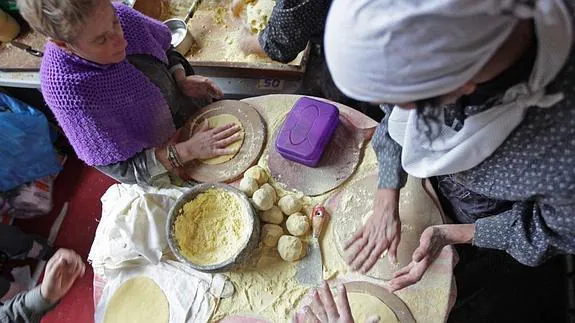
(264, 285)
(256, 254)
(215, 53)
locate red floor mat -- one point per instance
(82, 187)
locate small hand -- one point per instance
(208, 143)
(381, 232)
(327, 309)
(432, 241)
(200, 87)
(61, 272)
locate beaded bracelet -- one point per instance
(173, 157)
(169, 158)
(176, 157)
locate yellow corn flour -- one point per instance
(211, 228)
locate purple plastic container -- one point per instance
(307, 130)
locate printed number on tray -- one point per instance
(270, 84)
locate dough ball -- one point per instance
(248, 185)
(297, 224)
(257, 173)
(273, 215)
(263, 199)
(289, 205)
(271, 190)
(271, 233)
(290, 248)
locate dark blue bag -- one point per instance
(26, 151)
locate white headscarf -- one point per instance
(404, 51)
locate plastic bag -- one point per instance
(26, 151)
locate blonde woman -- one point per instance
(119, 90)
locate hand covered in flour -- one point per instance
(381, 232)
(431, 243)
(327, 309)
(209, 142)
(199, 87)
(249, 43)
(61, 272)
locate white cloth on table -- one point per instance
(132, 230)
(192, 295)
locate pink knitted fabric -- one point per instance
(110, 112)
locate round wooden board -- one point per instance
(417, 211)
(337, 164)
(395, 304)
(254, 140)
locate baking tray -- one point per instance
(217, 45)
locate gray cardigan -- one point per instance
(26, 307)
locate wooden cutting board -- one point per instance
(250, 151)
(394, 303)
(337, 164)
(354, 204)
(15, 59)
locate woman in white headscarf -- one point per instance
(479, 97)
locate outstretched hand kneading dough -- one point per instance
(218, 121)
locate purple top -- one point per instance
(110, 112)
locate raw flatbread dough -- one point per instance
(417, 211)
(218, 121)
(258, 14)
(137, 300)
(364, 306)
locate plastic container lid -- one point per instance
(307, 130)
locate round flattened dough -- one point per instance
(271, 233)
(218, 121)
(290, 248)
(417, 211)
(297, 224)
(248, 185)
(289, 205)
(364, 306)
(258, 14)
(137, 300)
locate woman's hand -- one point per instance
(250, 44)
(327, 309)
(199, 87)
(61, 272)
(381, 232)
(208, 143)
(431, 243)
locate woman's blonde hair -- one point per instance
(57, 19)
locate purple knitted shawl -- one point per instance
(110, 112)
